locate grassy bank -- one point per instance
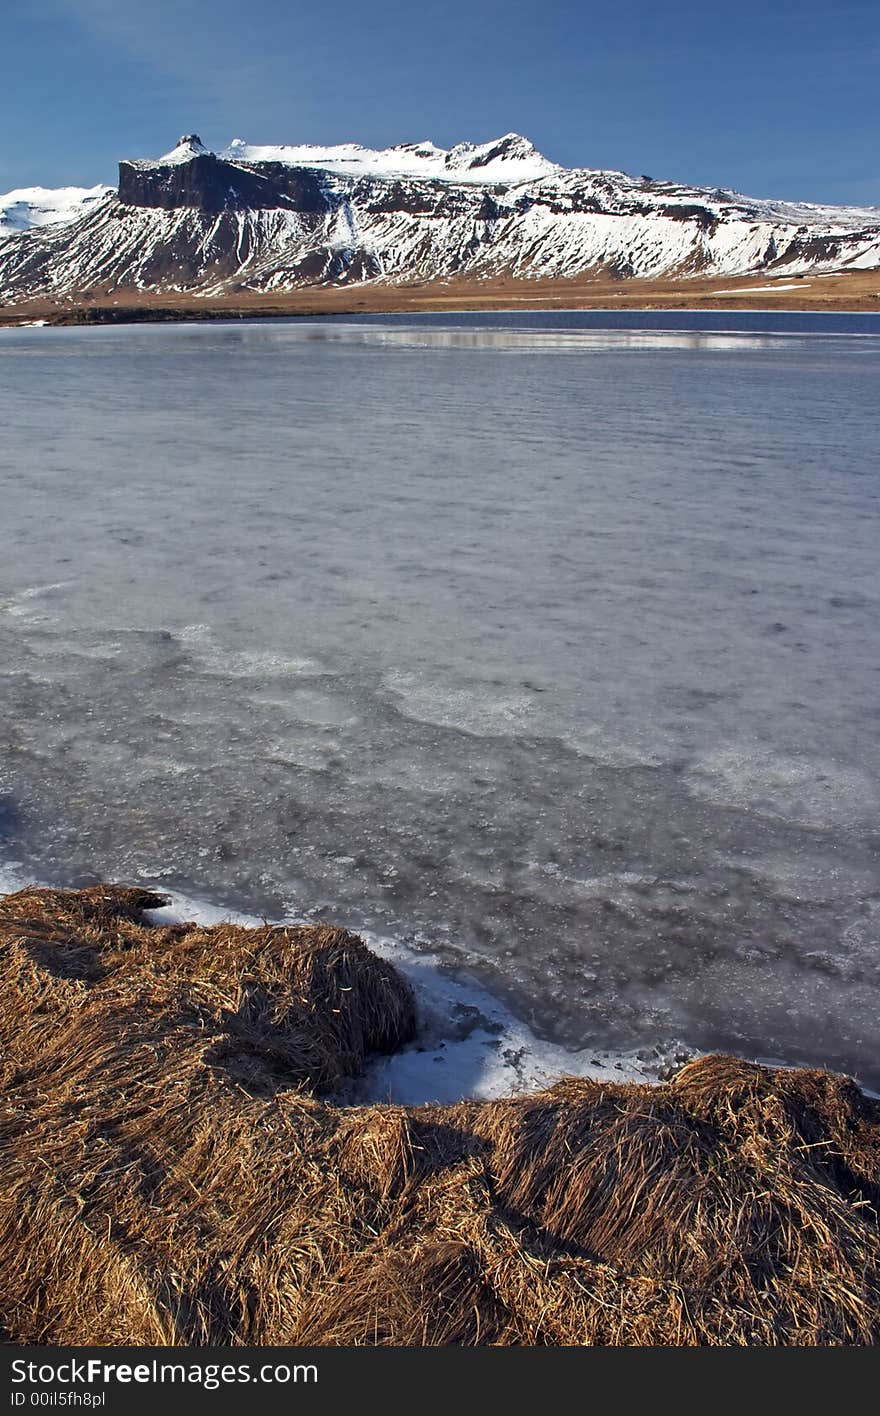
(839, 292)
(173, 1172)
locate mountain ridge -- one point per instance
(275, 219)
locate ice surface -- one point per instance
(554, 662)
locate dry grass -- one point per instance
(842, 291)
(171, 1175)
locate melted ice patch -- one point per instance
(28, 603)
(468, 708)
(810, 792)
(212, 658)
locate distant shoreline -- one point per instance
(853, 292)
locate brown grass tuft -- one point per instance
(172, 1175)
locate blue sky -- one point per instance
(775, 99)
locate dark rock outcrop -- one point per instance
(210, 184)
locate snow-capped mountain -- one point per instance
(28, 207)
(276, 218)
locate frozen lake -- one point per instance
(546, 643)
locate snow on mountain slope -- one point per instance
(274, 218)
(28, 207)
(186, 148)
(509, 159)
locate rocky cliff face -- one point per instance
(208, 184)
(277, 218)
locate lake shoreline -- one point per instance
(841, 293)
(178, 1174)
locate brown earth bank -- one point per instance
(841, 293)
(176, 1172)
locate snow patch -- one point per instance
(185, 149)
(508, 159)
(28, 207)
(469, 1043)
